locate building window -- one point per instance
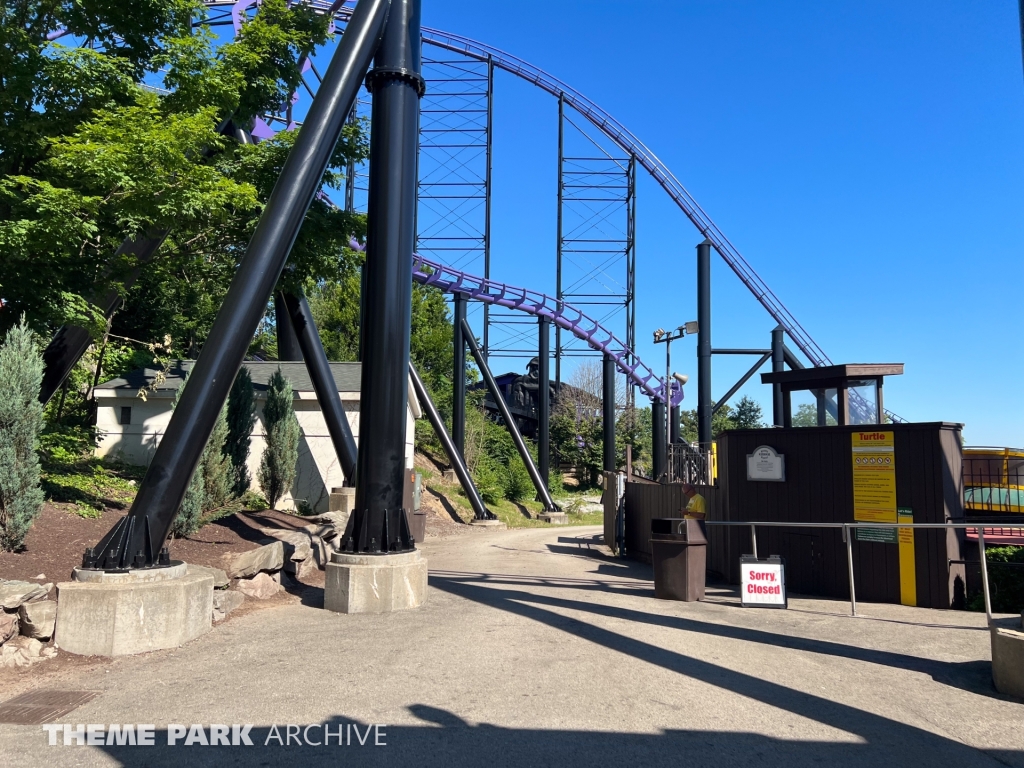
(126, 414)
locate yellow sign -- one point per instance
(874, 477)
(908, 570)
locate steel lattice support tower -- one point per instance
(454, 212)
(596, 232)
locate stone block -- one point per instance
(269, 557)
(555, 518)
(8, 625)
(224, 602)
(220, 578)
(121, 618)
(375, 583)
(1008, 656)
(37, 619)
(14, 593)
(261, 586)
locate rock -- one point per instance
(14, 593)
(297, 543)
(266, 558)
(261, 586)
(24, 651)
(300, 568)
(41, 576)
(220, 578)
(224, 602)
(38, 618)
(8, 626)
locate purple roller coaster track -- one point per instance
(562, 315)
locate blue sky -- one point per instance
(865, 157)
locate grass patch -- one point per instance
(89, 485)
(518, 514)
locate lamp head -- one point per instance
(691, 327)
(682, 378)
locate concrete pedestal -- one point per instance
(1008, 656)
(375, 583)
(487, 523)
(555, 518)
(342, 499)
(118, 614)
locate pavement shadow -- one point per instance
(446, 740)
(973, 676)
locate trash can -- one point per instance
(679, 550)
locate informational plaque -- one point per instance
(765, 464)
(874, 477)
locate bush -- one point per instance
(21, 418)
(277, 468)
(241, 419)
(1006, 582)
(218, 472)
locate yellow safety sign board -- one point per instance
(874, 477)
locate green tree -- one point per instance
(277, 468)
(241, 418)
(88, 157)
(216, 466)
(21, 417)
(748, 414)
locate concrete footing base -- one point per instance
(375, 583)
(487, 523)
(1008, 656)
(103, 614)
(555, 518)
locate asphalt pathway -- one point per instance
(536, 648)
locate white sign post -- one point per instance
(763, 582)
(766, 465)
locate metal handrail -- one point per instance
(849, 544)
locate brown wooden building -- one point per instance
(818, 487)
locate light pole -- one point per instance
(661, 336)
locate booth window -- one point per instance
(126, 414)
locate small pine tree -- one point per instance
(21, 418)
(216, 466)
(277, 468)
(190, 513)
(241, 419)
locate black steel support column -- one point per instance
(673, 425)
(608, 415)
(379, 523)
(312, 351)
(461, 471)
(544, 400)
(704, 345)
(658, 447)
(459, 377)
(288, 348)
(137, 539)
(510, 422)
(778, 365)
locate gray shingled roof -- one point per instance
(346, 376)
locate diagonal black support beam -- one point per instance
(326, 389)
(745, 378)
(480, 512)
(510, 423)
(178, 454)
